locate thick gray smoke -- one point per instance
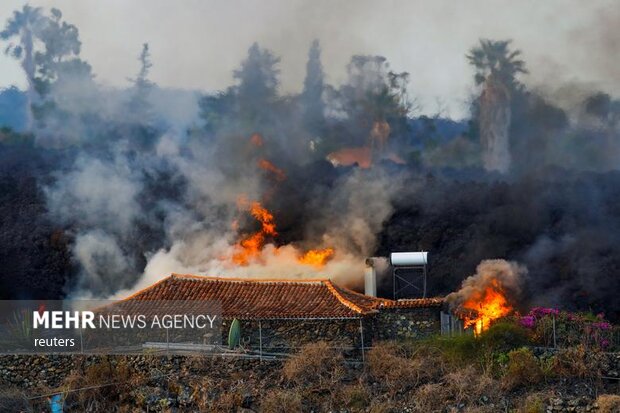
(131, 184)
(351, 215)
(184, 190)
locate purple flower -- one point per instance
(539, 312)
(604, 343)
(602, 325)
(528, 321)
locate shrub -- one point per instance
(228, 402)
(12, 400)
(458, 351)
(480, 409)
(468, 386)
(388, 363)
(608, 403)
(111, 371)
(533, 403)
(201, 391)
(281, 401)
(355, 397)
(504, 336)
(571, 329)
(575, 362)
(382, 407)
(430, 363)
(316, 365)
(523, 369)
(430, 397)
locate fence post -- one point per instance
(260, 341)
(555, 343)
(362, 337)
(167, 343)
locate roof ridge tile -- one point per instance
(341, 298)
(248, 280)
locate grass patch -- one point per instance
(317, 366)
(608, 403)
(523, 369)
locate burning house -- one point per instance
(277, 315)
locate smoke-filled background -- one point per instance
(107, 186)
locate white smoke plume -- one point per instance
(352, 215)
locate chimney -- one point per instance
(370, 278)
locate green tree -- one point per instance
(497, 68)
(257, 89)
(375, 100)
(139, 104)
(312, 95)
(62, 79)
(493, 58)
(24, 26)
(61, 43)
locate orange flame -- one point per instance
(487, 305)
(251, 246)
(269, 167)
(317, 258)
(351, 156)
(362, 156)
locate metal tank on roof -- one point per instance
(409, 259)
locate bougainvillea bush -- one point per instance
(571, 329)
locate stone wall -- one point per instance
(406, 323)
(27, 371)
(388, 324)
(288, 335)
(49, 371)
(159, 381)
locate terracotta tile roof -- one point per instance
(415, 303)
(265, 299)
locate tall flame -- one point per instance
(250, 246)
(488, 305)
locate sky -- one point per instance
(196, 44)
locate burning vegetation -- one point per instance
(116, 191)
(250, 247)
(487, 305)
(487, 295)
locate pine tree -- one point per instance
(258, 84)
(312, 94)
(139, 105)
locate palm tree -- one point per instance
(23, 25)
(493, 58)
(497, 68)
